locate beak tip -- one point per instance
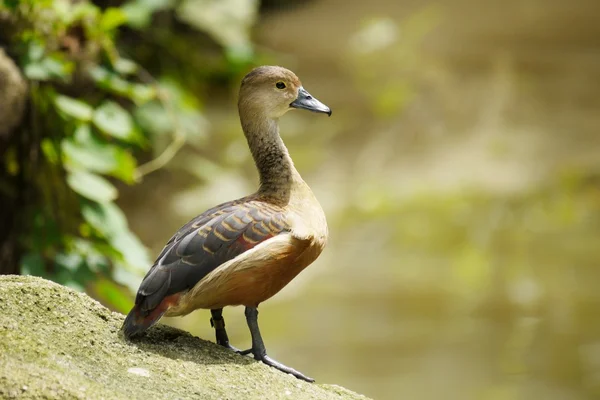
(307, 102)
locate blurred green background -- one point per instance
(460, 175)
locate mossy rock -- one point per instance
(56, 343)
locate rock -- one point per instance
(56, 343)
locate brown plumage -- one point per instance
(244, 251)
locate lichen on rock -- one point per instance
(56, 343)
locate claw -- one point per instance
(265, 359)
(277, 365)
(228, 346)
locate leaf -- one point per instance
(140, 94)
(45, 232)
(49, 150)
(227, 21)
(110, 221)
(35, 50)
(112, 18)
(115, 121)
(135, 254)
(112, 295)
(12, 167)
(74, 108)
(97, 263)
(154, 118)
(125, 66)
(70, 261)
(85, 150)
(95, 259)
(123, 276)
(36, 72)
(71, 12)
(139, 12)
(106, 218)
(33, 264)
(58, 66)
(48, 68)
(83, 134)
(93, 159)
(113, 83)
(91, 186)
(77, 286)
(126, 166)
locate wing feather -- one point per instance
(212, 238)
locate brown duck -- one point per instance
(244, 251)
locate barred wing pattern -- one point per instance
(212, 238)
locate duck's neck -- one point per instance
(278, 176)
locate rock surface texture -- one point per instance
(56, 343)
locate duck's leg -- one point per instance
(218, 322)
(258, 346)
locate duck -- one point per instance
(243, 252)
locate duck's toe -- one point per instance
(283, 368)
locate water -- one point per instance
(459, 174)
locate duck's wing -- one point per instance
(212, 238)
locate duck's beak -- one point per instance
(307, 102)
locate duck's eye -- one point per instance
(280, 85)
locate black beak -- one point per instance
(307, 102)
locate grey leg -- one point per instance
(258, 347)
(217, 322)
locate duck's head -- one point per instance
(272, 91)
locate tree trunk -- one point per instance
(14, 150)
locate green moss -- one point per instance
(56, 343)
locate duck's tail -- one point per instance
(136, 322)
(138, 319)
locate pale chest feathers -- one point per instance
(306, 217)
(309, 225)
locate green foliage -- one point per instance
(111, 119)
(73, 108)
(86, 151)
(228, 21)
(95, 111)
(91, 186)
